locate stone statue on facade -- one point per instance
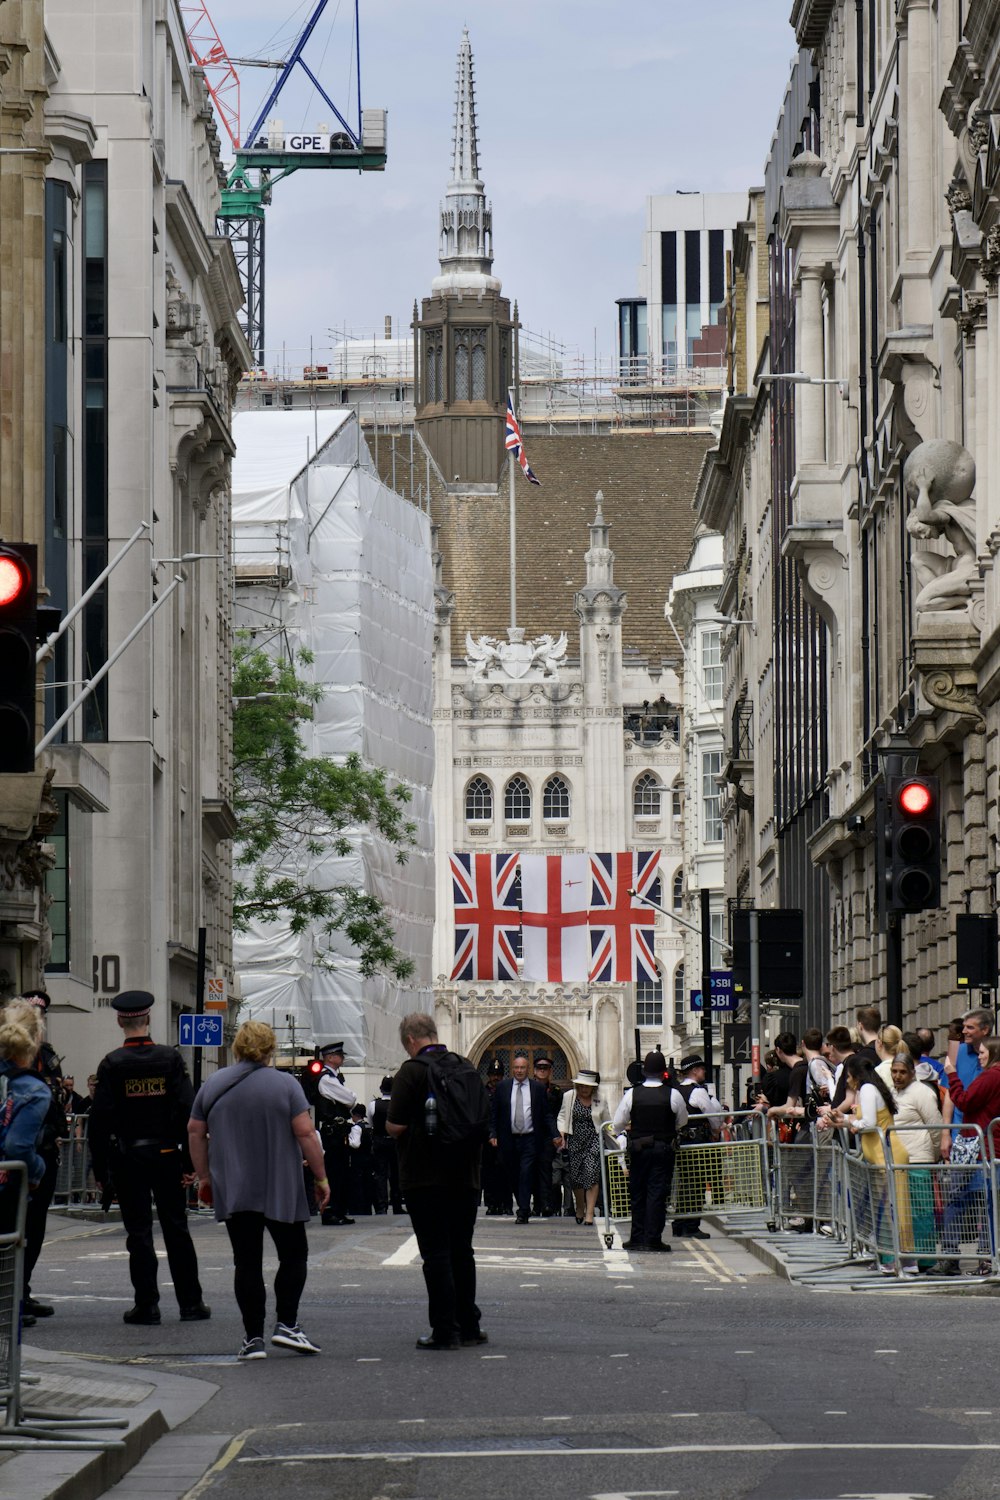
(938, 478)
(515, 657)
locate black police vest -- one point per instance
(151, 1095)
(652, 1114)
(379, 1119)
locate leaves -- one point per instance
(292, 808)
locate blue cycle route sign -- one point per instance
(722, 992)
(200, 1031)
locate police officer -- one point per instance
(547, 1199)
(701, 1129)
(655, 1112)
(384, 1159)
(138, 1140)
(53, 1131)
(333, 1118)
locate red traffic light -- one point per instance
(14, 579)
(315, 1067)
(915, 798)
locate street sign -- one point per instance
(736, 1042)
(200, 1031)
(215, 992)
(723, 998)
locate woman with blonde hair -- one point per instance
(582, 1114)
(28, 1100)
(249, 1131)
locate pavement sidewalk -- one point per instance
(152, 1403)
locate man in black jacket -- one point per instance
(138, 1135)
(654, 1113)
(521, 1121)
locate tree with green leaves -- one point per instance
(292, 807)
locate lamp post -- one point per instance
(897, 757)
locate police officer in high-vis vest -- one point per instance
(138, 1141)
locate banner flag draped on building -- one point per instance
(555, 900)
(514, 443)
(487, 921)
(621, 928)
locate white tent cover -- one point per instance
(361, 598)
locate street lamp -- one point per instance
(732, 620)
(797, 377)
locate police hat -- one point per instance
(694, 1061)
(385, 1087)
(495, 1069)
(332, 1047)
(132, 1005)
(543, 1057)
(654, 1065)
(41, 999)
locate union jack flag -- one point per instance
(621, 928)
(487, 917)
(514, 443)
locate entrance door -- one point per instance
(526, 1039)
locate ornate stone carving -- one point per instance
(492, 660)
(939, 477)
(972, 314)
(955, 691)
(958, 196)
(989, 264)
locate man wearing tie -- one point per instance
(521, 1121)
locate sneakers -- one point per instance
(293, 1338)
(147, 1316)
(252, 1349)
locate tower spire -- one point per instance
(466, 249)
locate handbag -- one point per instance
(964, 1150)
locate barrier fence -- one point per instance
(75, 1184)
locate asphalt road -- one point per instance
(697, 1374)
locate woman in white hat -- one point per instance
(580, 1119)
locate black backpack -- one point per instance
(463, 1105)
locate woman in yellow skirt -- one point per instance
(872, 1114)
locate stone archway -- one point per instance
(531, 1034)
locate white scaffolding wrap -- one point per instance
(353, 562)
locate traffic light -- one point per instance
(912, 835)
(18, 641)
(309, 1079)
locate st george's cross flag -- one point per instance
(621, 928)
(555, 898)
(514, 443)
(486, 916)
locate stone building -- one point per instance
(873, 393)
(142, 353)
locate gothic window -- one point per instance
(555, 799)
(470, 364)
(433, 375)
(646, 796)
(517, 800)
(478, 801)
(679, 891)
(479, 365)
(679, 1011)
(461, 364)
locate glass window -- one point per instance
(555, 798)
(692, 269)
(711, 769)
(57, 887)
(679, 891)
(461, 365)
(478, 800)
(646, 796)
(680, 1009)
(716, 929)
(479, 365)
(676, 805)
(648, 1002)
(517, 800)
(711, 664)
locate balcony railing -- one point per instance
(742, 739)
(652, 727)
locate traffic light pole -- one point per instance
(199, 1002)
(755, 999)
(706, 980)
(894, 970)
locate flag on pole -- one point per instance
(621, 928)
(555, 897)
(514, 443)
(486, 916)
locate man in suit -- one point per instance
(521, 1121)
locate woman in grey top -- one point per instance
(249, 1131)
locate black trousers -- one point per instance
(496, 1186)
(519, 1159)
(144, 1177)
(444, 1220)
(544, 1189)
(385, 1166)
(650, 1174)
(246, 1235)
(335, 1158)
(34, 1224)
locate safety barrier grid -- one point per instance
(27, 1427)
(75, 1184)
(808, 1183)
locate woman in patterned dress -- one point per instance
(580, 1119)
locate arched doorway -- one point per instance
(526, 1037)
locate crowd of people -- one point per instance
(438, 1141)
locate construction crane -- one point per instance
(267, 154)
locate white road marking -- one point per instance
(369, 1360)
(618, 1356)
(886, 1351)
(744, 1351)
(411, 1421)
(407, 1253)
(630, 1494)
(557, 1419)
(351, 1283)
(493, 1356)
(835, 1414)
(644, 1452)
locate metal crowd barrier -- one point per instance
(75, 1178)
(26, 1427)
(942, 1211)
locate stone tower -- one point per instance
(464, 334)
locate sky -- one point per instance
(585, 109)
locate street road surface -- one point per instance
(696, 1374)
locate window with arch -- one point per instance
(680, 1014)
(646, 796)
(555, 799)
(679, 891)
(478, 801)
(517, 800)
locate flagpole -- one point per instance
(513, 542)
